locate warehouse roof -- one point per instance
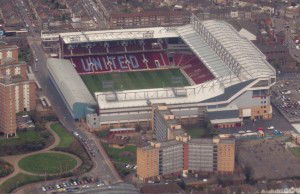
(69, 82)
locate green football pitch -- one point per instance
(134, 80)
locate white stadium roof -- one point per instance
(211, 60)
(252, 62)
(120, 34)
(229, 56)
(69, 82)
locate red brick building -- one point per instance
(161, 17)
(17, 92)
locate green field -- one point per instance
(17, 181)
(66, 139)
(25, 141)
(122, 157)
(197, 132)
(22, 137)
(116, 154)
(295, 151)
(50, 163)
(135, 80)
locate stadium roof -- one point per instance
(138, 98)
(253, 62)
(120, 34)
(235, 62)
(211, 60)
(69, 82)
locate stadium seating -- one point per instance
(134, 46)
(115, 47)
(193, 67)
(121, 62)
(98, 48)
(133, 55)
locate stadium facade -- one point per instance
(229, 77)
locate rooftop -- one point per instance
(169, 143)
(120, 34)
(7, 80)
(202, 141)
(8, 47)
(251, 61)
(227, 141)
(69, 81)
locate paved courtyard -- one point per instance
(268, 159)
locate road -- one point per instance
(23, 11)
(93, 11)
(103, 167)
(282, 25)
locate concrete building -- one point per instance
(184, 154)
(201, 155)
(225, 117)
(164, 124)
(148, 161)
(216, 44)
(226, 156)
(161, 17)
(17, 92)
(170, 157)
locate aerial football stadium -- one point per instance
(202, 70)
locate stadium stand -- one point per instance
(98, 48)
(221, 67)
(121, 62)
(147, 60)
(193, 67)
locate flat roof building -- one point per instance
(164, 123)
(173, 157)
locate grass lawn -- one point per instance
(295, 151)
(18, 181)
(115, 153)
(120, 161)
(66, 139)
(134, 80)
(51, 163)
(22, 137)
(197, 132)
